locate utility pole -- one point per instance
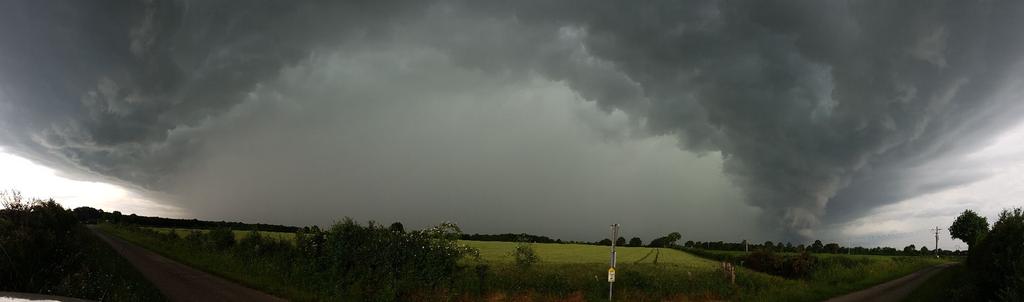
(936, 229)
(611, 269)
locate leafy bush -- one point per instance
(788, 266)
(800, 266)
(764, 261)
(220, 239)
(997, 266)
(524, 255)
(43, 249)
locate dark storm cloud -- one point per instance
(102, 85)
(813, 105)
(801, 97)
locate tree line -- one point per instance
(509, 237)
(92, 215)
(817, 247)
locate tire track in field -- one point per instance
(638, 261)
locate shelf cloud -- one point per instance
(801, 113)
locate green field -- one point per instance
(500, 252)
(563, 271)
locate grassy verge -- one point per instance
(833, 278)
(833, 274)
(104, 275)
(262, 275)
(948, 285)
(44, 250)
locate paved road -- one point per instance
(180, 282)
(892, 291)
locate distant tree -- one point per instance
(635, 241)
(769, 245)
(117, 217)
(817, 246)
(969, 227)
(910, 249)
(620, 242)
(789, 246)
(397, 227)
(666, 241)
(673, 237)
(832, 248)
(689, 243)
(87, 214)
(605, 241)
(924, 250)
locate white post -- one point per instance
(615, 237)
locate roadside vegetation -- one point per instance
(347, 262)
(938, 287)
(239, 234)
(994, 269)
(45, 250)
(350, 261)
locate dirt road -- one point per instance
(895, 290)
(179, 282)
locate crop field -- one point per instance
(500, 252)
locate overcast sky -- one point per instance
(858, 122)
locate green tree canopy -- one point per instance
(997, 262)
(635, 241)
(969, 227)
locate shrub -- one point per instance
(789, 266)
(524, 255)
(764, 261)
(799, 266)
(43, 249)
(998, 264)
(220, 239)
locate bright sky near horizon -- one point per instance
(896, 225)
(36, 181)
